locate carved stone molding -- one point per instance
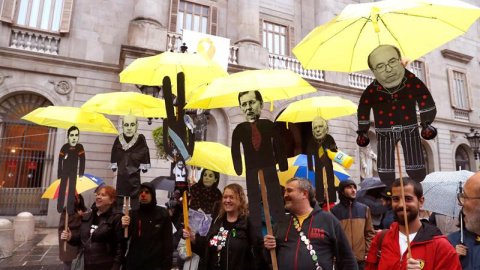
(62, 87)
(3, 77)
(453, 55)
(453, 137)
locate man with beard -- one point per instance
(355, 219)
(429, 248)
(317, 155)
(469, 250)
(150, 229)
(311, 238)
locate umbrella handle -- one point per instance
(126, 202)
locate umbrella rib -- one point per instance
(428, 17)
(367, 19)
(391, 33)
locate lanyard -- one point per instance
(307, 243)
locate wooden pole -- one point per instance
(66, 213)
(325, 188)
(266, 210)
(404, 203)
(188, 245)
(126, 202)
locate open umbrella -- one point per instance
(416, 27)
(150, 70)
(370, 183)
(440, 190)
(328, 107)
(85, 183)
(65, 117)
(298, 167)
(214, 156)
(272, 84)
(124, 103)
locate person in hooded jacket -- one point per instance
(232, 243)
(205, 193)
(150, 232)
(355, 219)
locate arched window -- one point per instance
(462, 160)
(25, 156)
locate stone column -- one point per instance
(7, 243)
(250, 50)
(148, 29)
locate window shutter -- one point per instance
(452, 87)
(214, 21)
(66, 16)
(260, 34)
(173, 16)
(467, 92)
(8, 11)
(291, 35)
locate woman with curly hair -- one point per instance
(232, 241)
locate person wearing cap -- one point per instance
(150, 233)
(311, 238)
(355, 219)
(387, 217)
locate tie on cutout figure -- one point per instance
(317, 154)
(71, 155)
(393, 96)
(130, 154)
(263, 148)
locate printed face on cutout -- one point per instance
(319, 128)
(130, 125)
(208, 178)
(387, 66)
(251, 106)
(73, 137)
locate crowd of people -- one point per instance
(308, 238)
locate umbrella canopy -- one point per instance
(150, 70)
(370, 183)
(440, 190)
(124, 103)
(65, 117)
(416, 27)
(328, 107)
(272, 84)
(85, 183)
(164, 183)
(214, 156)
(298, 167)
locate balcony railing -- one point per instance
(174, 41)
(35, 42)
(284, 62)
(461, 115)
(358, 80)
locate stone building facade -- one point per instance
(62, 52)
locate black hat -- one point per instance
(387, 193)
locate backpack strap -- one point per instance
(380, 241)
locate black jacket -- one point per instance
(107, 243)
(151, 239)
(242, 251)
(327, 237)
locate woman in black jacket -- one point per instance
(101, 234)
(232, 242)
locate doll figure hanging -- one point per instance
(393, 96)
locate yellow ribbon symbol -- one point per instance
(211, 48)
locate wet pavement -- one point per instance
(40, 253)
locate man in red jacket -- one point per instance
(429, 248)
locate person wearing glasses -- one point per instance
(468, 248)
(393, 96)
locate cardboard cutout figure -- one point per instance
(180, 173)
(317, 153)
(68, 160)
(205, 193)
(263, 148)
(393, 96)
(130, 154)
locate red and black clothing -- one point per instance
(429, 246)
(395, 117)
(68, 161)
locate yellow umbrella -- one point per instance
(123, 103)
(65, 117)
(83, 184)
(272, 84)
(214, 156)
(150, 70)
(416, 27)
(328, 107)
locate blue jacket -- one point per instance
(472, 260)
